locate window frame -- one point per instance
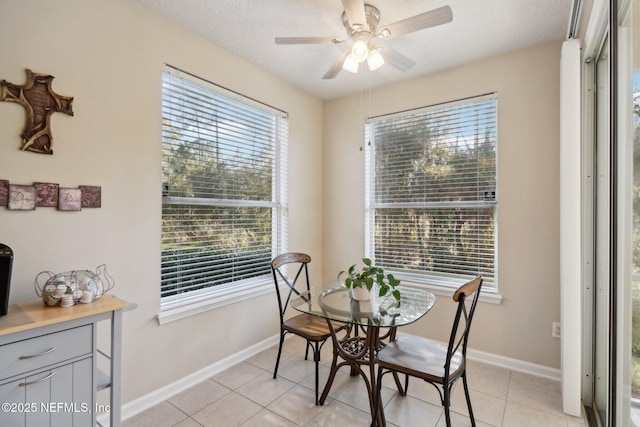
(439, 283)
(191, 302)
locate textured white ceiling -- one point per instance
(480, 29)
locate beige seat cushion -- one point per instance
(419, 357)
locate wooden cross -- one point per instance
(40, 101)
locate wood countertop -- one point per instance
(35, 314)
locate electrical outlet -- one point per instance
(555, 330)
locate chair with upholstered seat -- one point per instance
(440, 364)
(313, 329)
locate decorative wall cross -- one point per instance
(39, 101)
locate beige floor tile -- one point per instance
(264, 389)
(459, 420)
(409, 411)
(486, 408)
(536, 380)
(161, 415)
(296, 368)
(231, 410)
(488, 379)
(188, 422)
(336, 413)
(521, 416)
(266, 359)
(294, 344)
(267, 418)
(340, 381)
(247, 395)
(355, 394)
(535, 396)
(389, 382)
(237, 375)
(424, 391)
(198, 397)
(297, 405)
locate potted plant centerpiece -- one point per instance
(360, 282)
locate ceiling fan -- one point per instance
(361, 21)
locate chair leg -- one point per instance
(466, 395)
(306, 352)
(316, 358)
(275, 371)
(402, 391)
(332, 375)
(446, 402)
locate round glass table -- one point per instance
(356, 328)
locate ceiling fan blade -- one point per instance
(336, 67)
(305, 40)
(397, 60)
(442, 15)
(354, 9)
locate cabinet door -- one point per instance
(12, 396)
(60, 397)
(37, 389)
(61, 400)
(71, 395)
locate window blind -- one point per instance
(224, 188)
(431, 192)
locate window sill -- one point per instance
(491, 295)
(214, 298)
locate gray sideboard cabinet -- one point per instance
(48, 364)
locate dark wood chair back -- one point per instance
(298, 261)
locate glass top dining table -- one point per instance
(349, 317)
(334, 301)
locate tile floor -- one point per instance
(247, 395)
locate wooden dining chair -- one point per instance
(437, 363)
(313, 329)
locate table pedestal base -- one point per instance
(358, 353)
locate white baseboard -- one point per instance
(514, 364)
(145, 402)
(152, 399)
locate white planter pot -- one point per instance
(360, 294)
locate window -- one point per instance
(431, 192)
(224, 192)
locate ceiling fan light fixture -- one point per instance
(384, 34)
(350, 64)
(360, 51)
(375, 60)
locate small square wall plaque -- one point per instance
(22, 197)
(46, 194)
(4, 192)
(91, 196)
(70, 199)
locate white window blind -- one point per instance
(431, 192)
(224, 189)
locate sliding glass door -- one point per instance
(616, 242)
(628, 213)
(601, 237)
(626, 220)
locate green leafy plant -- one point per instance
(367, 276)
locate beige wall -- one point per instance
(527, 86)
(109, 55)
